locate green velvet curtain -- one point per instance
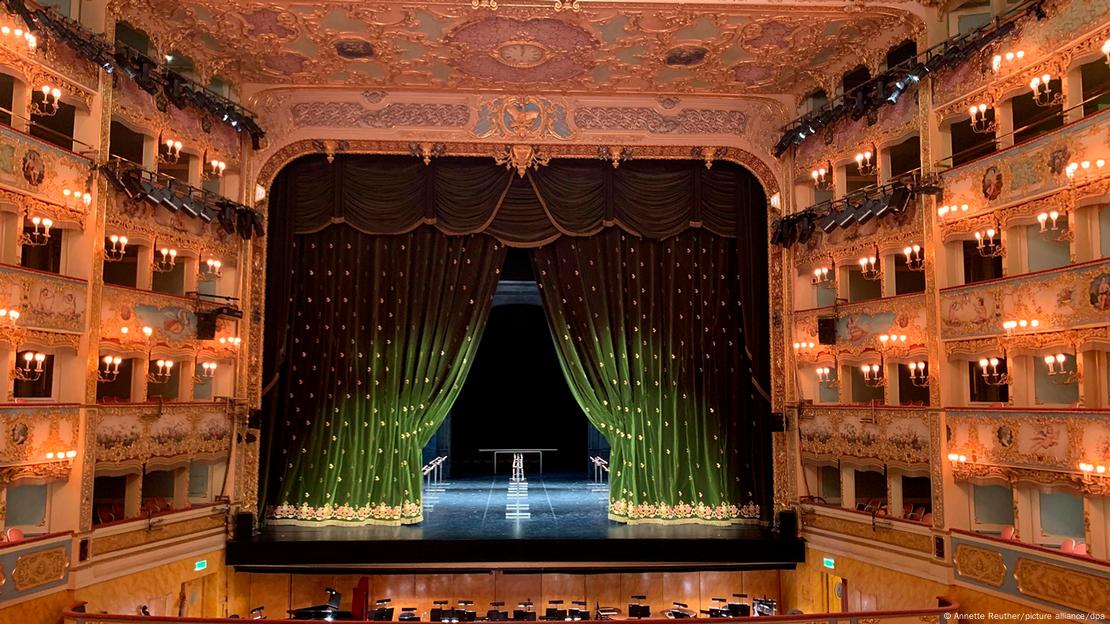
(382, 332)
(650, 338)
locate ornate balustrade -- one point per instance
(1042, 446)
(940, 615)
(32, 436)
(904, 437)
(160, 531)
(34, 566)
(1070, 297)
(845, 524)
(34, 174)
(859, 325)
(1032, 573)
(47, 302)
(132, 435)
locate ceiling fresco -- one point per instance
(733, 49)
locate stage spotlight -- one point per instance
(776, 234)
(847, 216)
(805, 227)
(899, 199)
(866, 210)
(829, 222)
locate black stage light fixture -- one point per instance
(847, 216)
(805, 227)
(789, 232)
(776, 234)
(866, 210)
(829, 222)
(899, 199)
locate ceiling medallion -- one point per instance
(521, 54)
(685, 56)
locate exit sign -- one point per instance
(203, 565)
(829, 563)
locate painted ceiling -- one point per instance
(661, 48)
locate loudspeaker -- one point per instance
(206, 325)
(244, 525)
(788, 524)
(826, 330)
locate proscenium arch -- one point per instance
(783, 473)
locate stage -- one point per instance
(549, 521)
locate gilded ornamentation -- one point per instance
(630, 48)
(642, 118)
(27, 433)
(39, 568)
(522, 158)
(395, 115)
(141, 221)
(1072, 588)
(894, 435)
(980, 564)
(522, 117)
(79, 83)
(919, 542)
(144, 536)
(133, 435)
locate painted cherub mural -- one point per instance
(1100, 292)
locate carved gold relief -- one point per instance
(980, 564)
(144, 536)
(39, 568)
(1064, 586)
(903, 539)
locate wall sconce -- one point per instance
(169, 150)
(208, 371)
(864, 163)
(990, 373)
(979, 122)
(163, 374)
(821, 178)
(60, 455)
(1084, 170)
(1011, 326)
(956, 458)
(28, 39)
(167, 262)
(147, 332)
(76, 199)
(110, 371)
(1090, 470)
(1058, 372)
(1106, 51)
(1045, 217)
(39, 234)
(213, 167)
(919, 374)
(1043, 95)
(798, 346)
(31, 370)
(826, 376)
(945, 210)
(823, 276)
(987, 245)
(232, 342)
(915, 260)
(116, 248)
(8, 317)
(1005, 59)
(870, 268)
(49, 105)
(873, 375)
(210, 270)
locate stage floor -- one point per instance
(554, 520)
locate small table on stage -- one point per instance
(513, 451)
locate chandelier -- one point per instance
(1000, 60)
(76, 199)
(163, 373)
(826, 376)
(870, 268)
(22, 36)
(207, 372)
(210, 270)
(821, 178)
(823, 276)
(169, 150)
(945, 210)
(864, 163)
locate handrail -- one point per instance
(946, 607)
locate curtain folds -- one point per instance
(382, 334)
(650, 338)
(380, 275)
(392, 195)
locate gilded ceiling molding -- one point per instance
(646, 119)
(709, 48)
(980, 564)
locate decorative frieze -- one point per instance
(893, 436)
(980, 564)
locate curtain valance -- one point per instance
(577, 197)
